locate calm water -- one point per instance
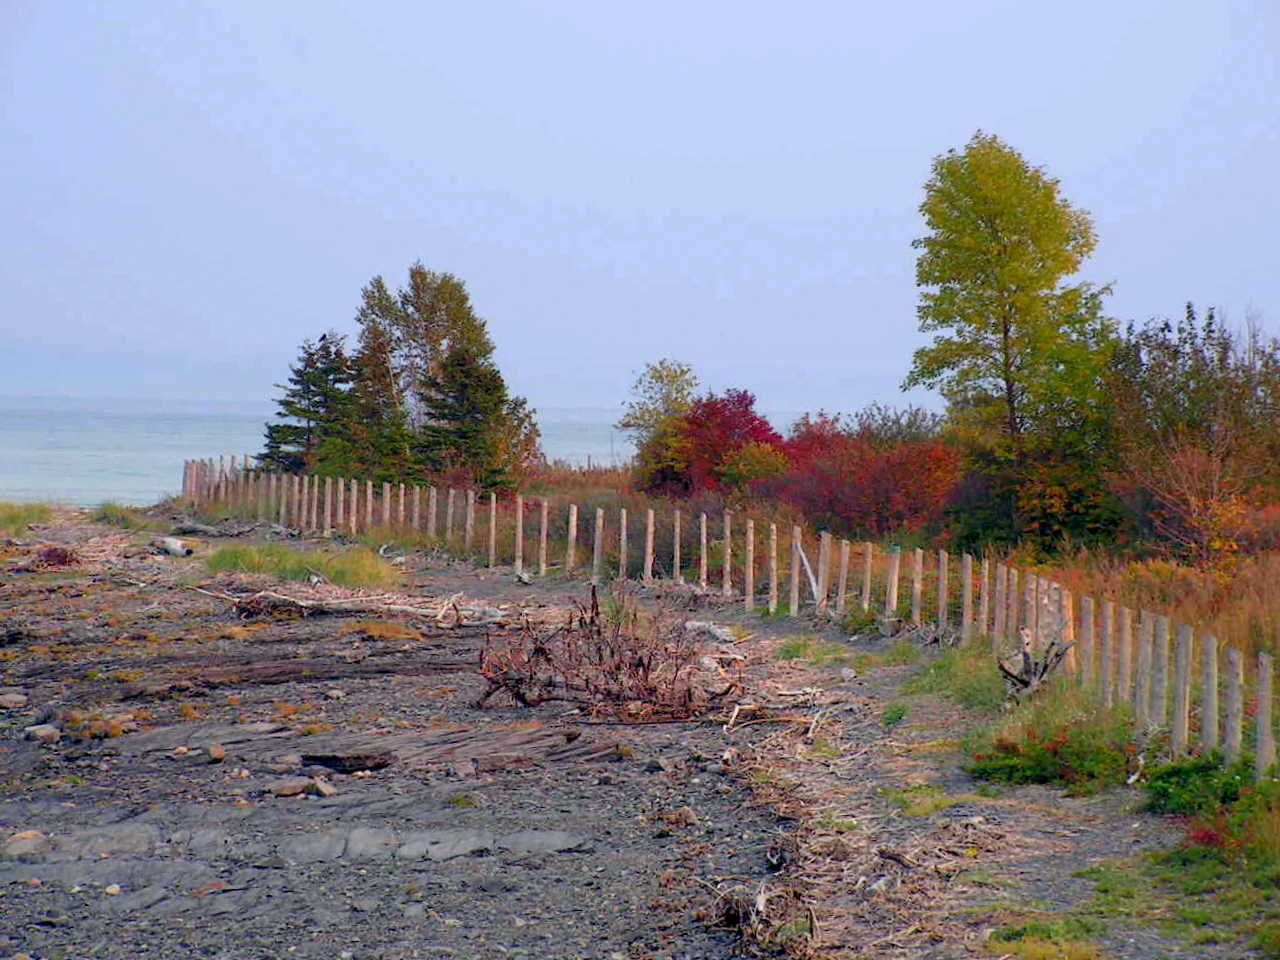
(82, 452)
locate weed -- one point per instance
(894, 714)
(967, 675)
(352, 568)
(461, 801)
(16, 517)
(1199, 785)
(1048, 940)
(836, 824)
(118, 515)
(923, 800)
(817, 653)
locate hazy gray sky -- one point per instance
(191, 188)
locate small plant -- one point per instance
(351, 568)
(902, 653)
(965, 674)
(16, 517)
(118, 515)
(893, 714)
(1199, 785)
(816, 652)
(1048, 940)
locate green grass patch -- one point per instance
(1062, 736)
(16, 517)
(924, 800)
(967, 675)
(351, 568)
(815, 651)
(894, 714)
(118, 515)
(1050, 939)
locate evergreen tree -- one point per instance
(466, 407)
(314, 410)
(379, 433)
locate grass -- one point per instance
(16, 517)
(965, 674)
(1049, 939)
(894, 714)
(816, 652)
(118, 515)
(924, 799)
(352, 568)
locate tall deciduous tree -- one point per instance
(1015, 346)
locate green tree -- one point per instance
(1015, 347)
(310, 431)
(378, 430)
(661, 396)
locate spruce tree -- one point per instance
(313, 412)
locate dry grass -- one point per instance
(351, 568)
(16, 517)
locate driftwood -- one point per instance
(1027, 675)
(173, 547)
(268, 601)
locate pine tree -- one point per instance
(314, 410)
(466, 404)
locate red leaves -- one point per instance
(715, 428)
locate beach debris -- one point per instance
(173, 547)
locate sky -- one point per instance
(190, 189)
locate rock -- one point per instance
(290, 787)
(334, 694)
(25, 843)
(848, 673)
(660, 765)
(370, 843)
(43, 732)
(364, 906)
(112, 890)
(321, 788)
(542, 841)
(695, 627)
(12, 701)
(217, 752)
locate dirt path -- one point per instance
(231, 787)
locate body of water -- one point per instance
(82, 452)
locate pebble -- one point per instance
(321, 788)
(334, 694)
(25, 842)
(217, 752)
(290, 787)
(112, 890)
(12, 701)
(44, 732)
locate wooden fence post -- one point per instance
(647, 572)
(1067, 617)
(1266, 748)
(469, 522)
(1012, 599)
(415, 518)
(1235, 704)
(984, 596)
(542, 538)
(917, 585)
(433, 510)
(842, 583)
(1030, 616)
(571, 542)
(1182, 691)
(1142, 681)
(773, 568)
(339, 504)
(385, 512)
(891, 589)
(519, 535)
(622, 544)
(726, 576)
(368, 505)
(448, 516)
(868, 549)
(677, 572)
(702, 550)
(998, 594)
(1124, 652)
(749, 568)
(493, 530)
(1209, 695)
(353, 506)
(824, 572)
(597, 549)
(328, 506)
(400, 508)
(793, 598)
(943, 589)
(1107, 674)
(1160, 692)
(966, 597)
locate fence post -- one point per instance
(469, 522)
(891, 589)
(997, 623)
(493, 530)
(1030, 617)
(1142, 681)
(571, 542)
(339, 504)
(824, 572)
(400, 508)
(1011, 606)
(749, 568)
(1235, 704)
(966, 597)
(353, 506)
(1067, 617)
(867, 556)
(1160, 693)
(328, 506)
(1209, 695)
(842, 584)
(677, 573)
(385, 506)
(702, 550)
(984, 596)
(368, 505)
(1124, 652)
(622, 543)
(433, 505)
(727, 574)
(542, 539)
(647, 573)
(448, 516)
(1266, 748)
(597, 549)
(416, 517)
(773, 568)
(519, 535)
(917, 581)
(1182, 690)
(793, 598)
(943, 589)
(1107, 675)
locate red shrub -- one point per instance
(715, 428)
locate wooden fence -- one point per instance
(1169, 675)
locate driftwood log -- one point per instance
(1025, 674)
